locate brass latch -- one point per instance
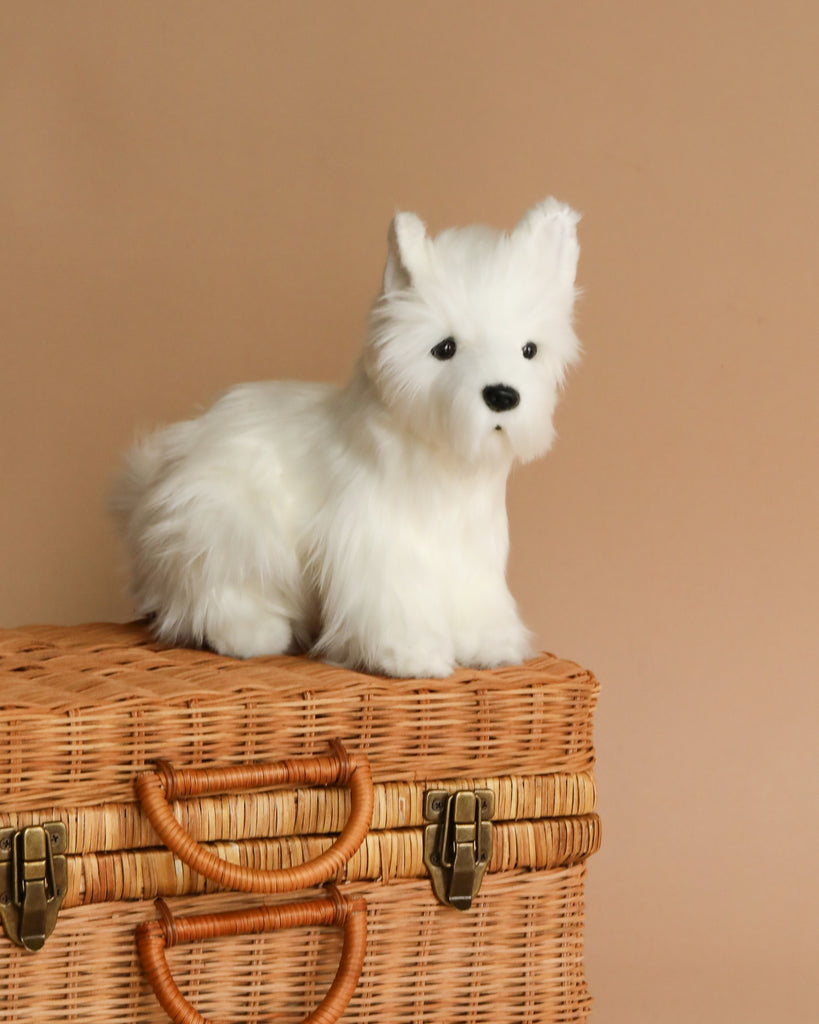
(33, 881)
(458, 845)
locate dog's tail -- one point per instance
(140, 469)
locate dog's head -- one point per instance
(471, 336)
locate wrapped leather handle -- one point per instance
(351, 915)
(156, 788)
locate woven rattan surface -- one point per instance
(86, 709)
(516, 957)
(303, 812)
(102, 701)
(383, 856)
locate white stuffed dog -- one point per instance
(368, 525)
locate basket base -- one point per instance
(516, 956)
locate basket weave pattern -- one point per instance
(87, 709)
(516, 956)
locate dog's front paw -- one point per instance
(411, 664)
(400, 661)
(496, 648)
(244, 629)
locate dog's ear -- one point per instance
(406, 251)
(552, 227)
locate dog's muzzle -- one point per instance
(500, 397)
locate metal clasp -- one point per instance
(458, 845)
(33, 881)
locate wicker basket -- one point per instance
(278, 775)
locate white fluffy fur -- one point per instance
(368, 524)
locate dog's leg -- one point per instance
(384, 619)
(487, 628)
(216, 552)
(388, 637)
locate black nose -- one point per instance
(500, 397)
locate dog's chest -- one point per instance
(420, 512)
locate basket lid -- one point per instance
(87, 707)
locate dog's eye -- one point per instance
(529, 350)
(444, 349)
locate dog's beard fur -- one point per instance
(368, 525)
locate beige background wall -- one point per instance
(193, 194)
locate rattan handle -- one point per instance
(156, 788)
(154, 936)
